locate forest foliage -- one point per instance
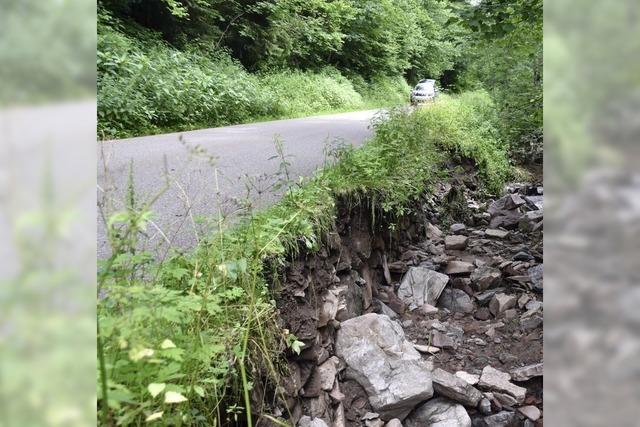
(180, 64)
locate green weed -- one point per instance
(192, 341)
(146, 86)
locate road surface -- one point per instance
(182, 167)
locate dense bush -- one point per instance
(144, 85)
(504, 56)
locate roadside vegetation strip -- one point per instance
(147, 86)
(186, 341)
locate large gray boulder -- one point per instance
(421, 286)
(439, 413)
(384, 363)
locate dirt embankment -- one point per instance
(486, 312)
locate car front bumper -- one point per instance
(427, 98)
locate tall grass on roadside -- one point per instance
(146, 86)
(195, 340)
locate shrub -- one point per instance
(144, 85)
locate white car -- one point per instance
(424, 91)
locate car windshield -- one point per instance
(426, 87)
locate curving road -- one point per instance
(179, 171)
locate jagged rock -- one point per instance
(384, 363)
(530, 412)
(421, 285)
(507, 358)
(438, 339)
(436, 249)
(522, 256)
(501, 419)
(395, 303)
(439, 413)
(319, 407)
(398, 267)
(529, 220)
(527, 372)
(514, 201)
(457, 389)
(484, 406)
(367, 281)
(510, 314)
(432, 232)
(361, 243)
(469, 378)
(506, 219)
(456, 300)
(387, 311)
(485, 297)
(459, 267)
(533, 306)
(394, 423)
(428, 309)
(477, 341)
(485, 277)
(482, 313)
(336, 395)
(536, 274)
(505, 399)
(462, 283)
(349, 299)
(316, 353)
(457, 228)
(313, 386)
(307, 421)
(494, 232)
(535, 202)
(495, 380)
(531, 323)
(329, 306)
(523, 300)
(496, 206)
(455, 242)
(328, 371)
(371, 419)
(426, 349)
(501, 303)
(339, 419)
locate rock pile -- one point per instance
(440, 329)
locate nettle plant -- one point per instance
(181, 341)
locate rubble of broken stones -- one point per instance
(445, 331)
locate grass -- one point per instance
(146, 86)
(186, 342)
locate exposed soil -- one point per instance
(362, 261)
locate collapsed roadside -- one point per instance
(203, 343)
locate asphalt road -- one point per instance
(179, 171)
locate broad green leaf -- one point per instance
(156, 388)
(167, 344)
(174, 397)
(154, 416)
(136, 355)
(297, 346)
